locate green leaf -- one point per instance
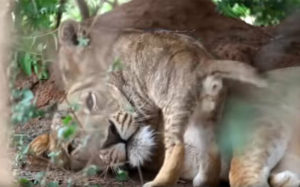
(83, 41)
(74, 106)
(55, 158)
(129, 108)
(25, 109)
(27, 64)
(116, 66)
(106, 8)
(25, 150)
(53, 184)
(35, 67)
(27, 96)
(38, 177)
(53, 155)
(43, 75)
(25, 182)
(122, 175)
(66, 132)
(66, 120)
(69, 182)
(91, 170)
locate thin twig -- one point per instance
(140, 174)
(73, 113)
(84, 9)
(39, 35)
(60, 12)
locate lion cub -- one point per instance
(163, 71)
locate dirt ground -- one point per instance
(224, 37)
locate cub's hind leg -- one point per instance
(175, 117)
(251, 166)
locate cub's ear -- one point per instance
(68, 33)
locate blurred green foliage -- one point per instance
(18, 142)
(36, 23)
(32, 15)
(258, 12)
(23, 182)
(68, 129)
(91, 170)
(25, 108)
(122, 175)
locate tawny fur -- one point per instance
(271, 139)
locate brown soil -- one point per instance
(226, 38)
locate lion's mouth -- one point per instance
(140, 147)
(135, 150)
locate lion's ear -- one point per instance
(68, 33)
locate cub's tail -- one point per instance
(235, 70)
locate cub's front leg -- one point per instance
(175, 117)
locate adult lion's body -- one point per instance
(261, 127)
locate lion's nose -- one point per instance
(113, 136)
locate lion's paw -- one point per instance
(39, 145)
(285, 179)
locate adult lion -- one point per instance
(162, 76)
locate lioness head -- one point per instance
(108, 140)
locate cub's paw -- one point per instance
(156, 184)
(148, 184)
(284, 179)
(201, 181)
(39, 145)
(163, 181)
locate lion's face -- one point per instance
(85, 106)
(104, 137)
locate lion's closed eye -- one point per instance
(91, 101)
